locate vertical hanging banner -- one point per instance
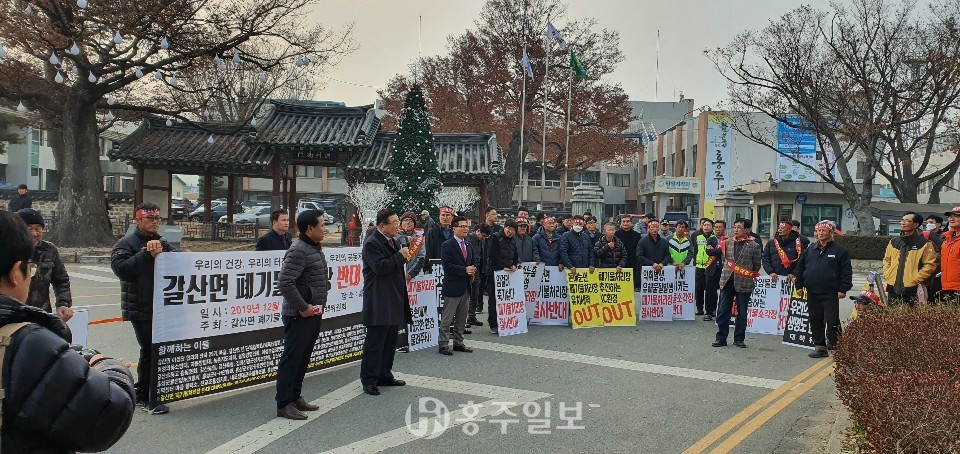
(719, 146)
(584, 300)
(763, 309)
(532, 277)
(657, 293)
(796, 150)
(511, 308)
(425, 331)
(685, 305)
(217, 324)
(616, 296)
(797, 331)
(553, 302)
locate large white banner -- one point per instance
(719, 146)
(553, 299)
(532, 277)
(657, 293)
(425, 331)
(511, 308)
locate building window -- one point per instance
(302, 171)
(810, 215)
(861, 170)
(53, 180)
(3, 173)
(620, 180)
(335, 173)
(655, 169)
(126, 184)
(108, 184)
(693, 168)
(763, 220)
(784, 213)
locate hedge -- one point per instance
(898, 373)
(863, 247)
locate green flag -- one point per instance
(577, 67)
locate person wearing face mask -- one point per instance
(933, 232)
(575, 248)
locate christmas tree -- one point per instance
(413, 174)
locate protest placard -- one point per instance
(685, 305)
(79, 326)
(657, 293)
(217, 323)
(511, 308)
(615, 292)
(424, 331)
(797, 331)
(552, 305)
(532, 276)
(584, 300)
(763, 309)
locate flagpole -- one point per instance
(523, 113)
(543, 142)
(566, 159)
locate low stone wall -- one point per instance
(866, 266)
(121, 204)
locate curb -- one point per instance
(841, 425)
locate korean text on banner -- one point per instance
(511, 309)
(763, 309)
(616, 296)
(553, 302)
(657, 293)
(719, 146)
(424, 332)
(798, 332)
(584, 299)
(217, 324)
(532, 277)
(684, 307)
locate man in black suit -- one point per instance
(385, 304)
(458, 272)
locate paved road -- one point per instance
(658, 387)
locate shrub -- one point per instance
(899, 375)
(863, 247)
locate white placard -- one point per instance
(763, 309)
(656, 294)
(79, 325)
(511, 307)
(685, 305)
(553, 300)
(424, 332)
(532, 277)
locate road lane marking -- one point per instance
(260, 437)
(630, 365)
(95, 305)
(96, 296)
(73, 287)
(746, 413)
(94, 278)
(105, 269)
(766, 415)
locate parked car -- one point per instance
(331, 207)
(255, 203)
(255, 214)
(215, 212)
(311, 205)
(180, 208)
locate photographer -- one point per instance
(55, 400)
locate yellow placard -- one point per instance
(604, 297)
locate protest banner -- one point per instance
(797, 331)
(657, 293)
(532, 276)
(685, 305)
(424, 332)
(552, 305)
(763, 309)
(511, 308)
(616, 296)
(437, 270)
(584, 300)
(217, 324)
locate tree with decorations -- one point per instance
(413, 174)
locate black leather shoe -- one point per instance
(462, 348)
(391, 382)
(473, 321)
(302, 405)
(446, 351)
(698, 313)
(371, 390)
(719, 344)
(819, 352)
(466, 331)
(291, 412)
(740, 344)
(707, 318)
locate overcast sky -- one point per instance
(386, 32)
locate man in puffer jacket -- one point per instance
(132, 261)
(547, 243)
(56, 400)
(501, 256)
(525, 248)
(609, 250)
(304, 285)
(575, 248)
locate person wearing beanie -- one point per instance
(408, 237)
(427, 220)
(50, 270)
(22, 200)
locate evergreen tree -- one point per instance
(413, 174)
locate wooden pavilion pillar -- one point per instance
(483, 201)
(208, 194)
(138, 186)
(293, 201)
(230, 198)
(275, 168)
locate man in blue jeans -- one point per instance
(741, 265)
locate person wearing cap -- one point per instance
(641, 225)
(576, 251)
(547, 243)
(50, 270)
(132, 260)
(665, 231)
(782, 252)
(826, 273)
(910, 260)
(867, 301)
(437, 235)
(950, 259)
(610, 252)
(408, 237)
(652, 250)
(590, 228)
(22, 200)
(427, 220)
(502, 255)
(524, 242)
(523, 212)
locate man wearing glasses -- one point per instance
(458, 272)
(132, 261)
(50, 270)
